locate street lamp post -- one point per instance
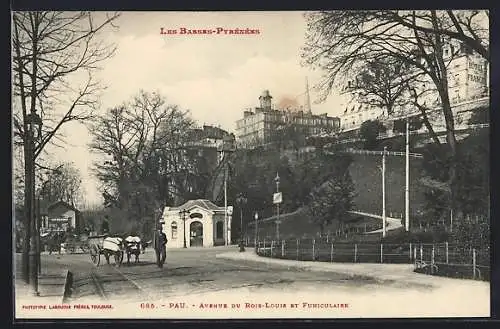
(407, 177)
(383, 193)
(278, 201)
(38, 247)
(34, 125)
(228, 146)
(241, 200)
(39, 218)
(183, 212)
(256, 229)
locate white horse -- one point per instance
(113, 246)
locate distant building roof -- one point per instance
(201, 203)
(208, 132)
(61, 203)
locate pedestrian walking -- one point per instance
(105, 225)
(160, 247)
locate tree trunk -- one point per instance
(27, 212)
(447, 112)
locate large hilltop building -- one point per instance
(468, 78)
(207, 136)
(261, 126)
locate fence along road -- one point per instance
(439, 258)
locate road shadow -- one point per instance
(140, 263)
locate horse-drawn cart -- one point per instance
(107, 246)
(75, 242)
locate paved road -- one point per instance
(193, 277)
(198, 271)
(194, 272)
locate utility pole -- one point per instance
(451, 220)
(407, 188)
(383, 193)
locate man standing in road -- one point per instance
(160, 247)
(105, 225)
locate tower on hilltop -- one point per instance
(265, 100)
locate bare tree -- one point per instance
(63, 184)
(381, 83)
(49, 48)
(149, 160)
(467, 26)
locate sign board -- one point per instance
(229, 210)
(277, 198)
(278, 221)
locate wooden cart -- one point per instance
(96, 249)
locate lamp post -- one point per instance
(183, 212)
(229, 214)
(34, 126)
(256, 229)
(228, 146)
(277, 201)
(38, 222)
(241, 200)
(41, 192)
(383, 193)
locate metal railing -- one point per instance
(452, 260)
(422, 131)
(437, 259)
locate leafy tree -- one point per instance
(369, 131)
(331, 201)
(339, 42)
(474, 175)
(473, 181)
(255, 170)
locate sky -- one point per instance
(216, 77)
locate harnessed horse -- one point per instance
(113, 246)
(133, 246)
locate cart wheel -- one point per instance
(95, 257)
(84, 248)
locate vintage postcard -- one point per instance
(253, 165)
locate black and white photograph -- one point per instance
(250, 164)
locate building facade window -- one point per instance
(174, 230)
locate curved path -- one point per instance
(391, 223)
